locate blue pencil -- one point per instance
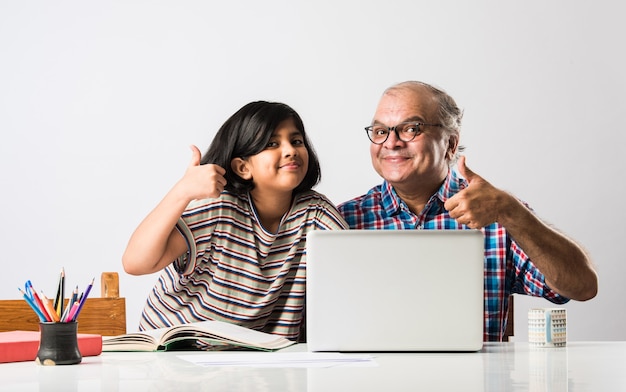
(29, 289)
(41, 316)
(33, 296)
(74, 297)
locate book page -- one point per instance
(206, 335)
(136, 341)
(228, 332)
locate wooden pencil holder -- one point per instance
(58, 344)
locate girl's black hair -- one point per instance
(247, 133)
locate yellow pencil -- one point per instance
(60, 295)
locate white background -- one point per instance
(99, 102)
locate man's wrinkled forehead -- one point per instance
(406, 103)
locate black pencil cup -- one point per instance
(58, 344)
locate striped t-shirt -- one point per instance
(235, 270)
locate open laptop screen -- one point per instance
(395, 290)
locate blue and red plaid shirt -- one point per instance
(507, 268)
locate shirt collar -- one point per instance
(452, 184)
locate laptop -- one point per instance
(394, 290)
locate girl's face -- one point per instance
(283, 164)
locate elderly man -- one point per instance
(415, 142)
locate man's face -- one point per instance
(422, 162)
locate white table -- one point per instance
(580, 366)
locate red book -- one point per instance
(17, 346)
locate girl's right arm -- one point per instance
(156, 242)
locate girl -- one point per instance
(230, 236)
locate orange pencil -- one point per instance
(49, 308)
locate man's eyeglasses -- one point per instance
(406, 131)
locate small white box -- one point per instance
(547, 327)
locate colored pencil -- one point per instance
(30, 303)
(82, 300)
(37, 300)
(72, 313)
(74, 296)
(56, 311)
(59, 299)
(49, 308)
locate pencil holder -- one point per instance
(58, 344)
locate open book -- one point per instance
(204, 335)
